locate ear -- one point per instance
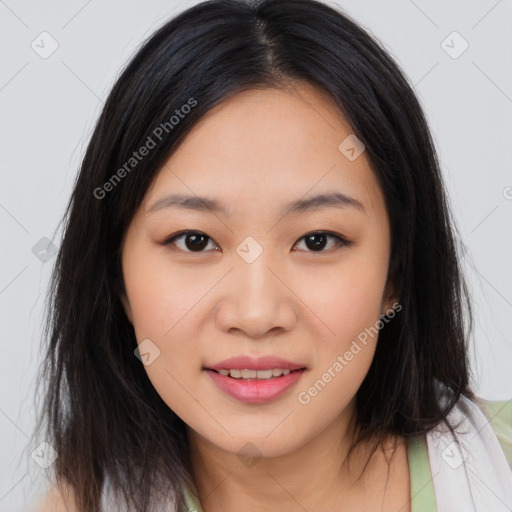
(121, 292)
(390, 299)
(127, 307)
(389, 304)
(392, 291)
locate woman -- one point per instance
(258, 300)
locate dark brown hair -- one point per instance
(100, 412)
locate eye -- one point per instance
(196, 241)
(318, 240)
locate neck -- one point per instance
(307, 476)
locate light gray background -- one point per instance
(48, 107)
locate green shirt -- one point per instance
(423, 498)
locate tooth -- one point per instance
(264, 374)
(254, 374)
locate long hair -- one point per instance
(100, 412)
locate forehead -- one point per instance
(262, 148)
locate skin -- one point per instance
(254, 153)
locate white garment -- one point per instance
(470, 472)
(166, 503)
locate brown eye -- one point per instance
(196, 241)
(316, 242)
(192, 241)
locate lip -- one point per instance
(256, 391)
(255, 363)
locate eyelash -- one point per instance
(340, 240)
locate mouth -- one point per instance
(250, 374)
(253, 380)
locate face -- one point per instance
(243, 275)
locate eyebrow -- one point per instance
(205, 204)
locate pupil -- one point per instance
(312, 244)
(198, 241)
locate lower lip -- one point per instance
(256, 391)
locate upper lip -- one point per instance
(255, 363)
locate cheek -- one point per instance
(162, 303)
(348, 299)
(348, 302)
(160, 297)
(344, 353)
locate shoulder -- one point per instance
(61, 499)
(56, 500)
(499, 416)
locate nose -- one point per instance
(257, 300)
